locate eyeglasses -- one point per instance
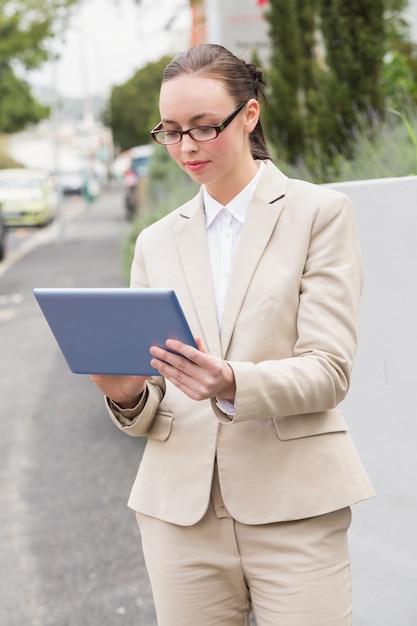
(199, 133)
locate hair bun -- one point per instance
(257, 75)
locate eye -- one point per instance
(202, 130)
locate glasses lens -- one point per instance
(204, 133)
(168, 136)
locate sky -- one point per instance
(108, 40)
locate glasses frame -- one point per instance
(218, 128)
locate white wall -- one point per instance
(382, 404)
(411, 16)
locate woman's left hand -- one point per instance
(197, 373)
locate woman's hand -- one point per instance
(197, 373)
(124, 390)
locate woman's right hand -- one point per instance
(124, 390)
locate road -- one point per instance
(69, 549)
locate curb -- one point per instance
(44, 236)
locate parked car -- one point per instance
(2, 236)
(27, 197)
(73, 181)
(80, 182)
(135, 178)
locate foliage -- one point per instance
(335, 67)
(287, 77)
(132, 110)
(390, 151)
(410, 130)
(17, 105)
(25, 28)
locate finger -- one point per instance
(200, 345)
(198, 356)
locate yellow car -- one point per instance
(27, 197)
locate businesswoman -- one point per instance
(244, 490)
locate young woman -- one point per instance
(243, 493)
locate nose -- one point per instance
(188, 144)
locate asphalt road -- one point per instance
(70, 550)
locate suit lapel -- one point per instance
(190, 233)
(260, 223)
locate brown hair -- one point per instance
(242, 80)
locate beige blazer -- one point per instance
(289, 333)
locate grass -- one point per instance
(390, 152)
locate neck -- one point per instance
(225, 191)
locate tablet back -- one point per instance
(110, 330)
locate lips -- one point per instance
(195, 166)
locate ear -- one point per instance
(252, 113)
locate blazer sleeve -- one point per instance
(316, 376)
(140, 420)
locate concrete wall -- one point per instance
(411, 16)
(382, 404)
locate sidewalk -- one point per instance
(84, 229)
(69, 549)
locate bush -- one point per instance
(387, 151)
(168, 188)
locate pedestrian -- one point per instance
(244, 490)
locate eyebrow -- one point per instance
(193, 120)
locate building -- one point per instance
(239, 25)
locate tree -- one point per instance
(132, 110)
(325, 74)
(354, 36)
(292, 73)
(17, 106)
(25, 28)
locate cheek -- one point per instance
(226, 146)
(174, 151)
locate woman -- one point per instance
(243, 494)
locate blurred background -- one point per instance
(79, 86)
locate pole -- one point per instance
(55, 119)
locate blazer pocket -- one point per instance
(310, 424)
(161, 428)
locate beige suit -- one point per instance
(289, 333)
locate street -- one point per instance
(69, 551)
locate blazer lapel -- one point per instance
(190, 233)
(260, 222)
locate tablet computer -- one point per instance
(110, 330)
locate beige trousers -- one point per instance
(216, 572)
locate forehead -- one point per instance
(189, 95)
